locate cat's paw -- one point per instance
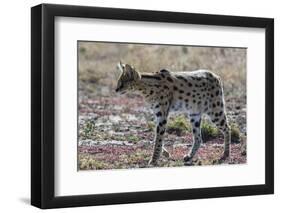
(187, 158)
(166, 154)
(225, 157)
(152, 163)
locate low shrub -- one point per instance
(235, 133)
(208, 131)
(178, 126)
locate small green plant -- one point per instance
(178, 126)
(150, 125)
(132, 138)
(87, 162)
(208, 131)
(87, 130)
(118, 137)
(235, 133)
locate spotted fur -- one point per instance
(192, 93)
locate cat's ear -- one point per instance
(131, 72)
(120, 67)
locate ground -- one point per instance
(117, 131)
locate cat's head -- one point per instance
(127, 78)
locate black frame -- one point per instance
(42, 105)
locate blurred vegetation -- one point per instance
(86, 131)
(98, 60)
(208, 131)
(178, 125)
(235, 133)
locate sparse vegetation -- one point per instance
(87, 130)
(235, 133)
(178, 125)
(116, 132)
(208, 131)
(132, 138)
(86, 162)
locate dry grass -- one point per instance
(97, 62)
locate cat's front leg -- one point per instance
(161, 122)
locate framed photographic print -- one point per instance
(139, 106)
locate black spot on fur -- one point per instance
(175, 88)
(151, 92)
(180, 98)
(157, 129)
(214, 105)
(197, 124)
(158, 114)
(222, 122)
(181, 91)
(157, 106)
(164, 70)
(182, 78)
(157, 85)
(162, 132)
(215, 120)
(166, 87)
(151, 77)
(190, 84)
(188, 94)
(217, 93)
(191, 120)
(169, 79)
